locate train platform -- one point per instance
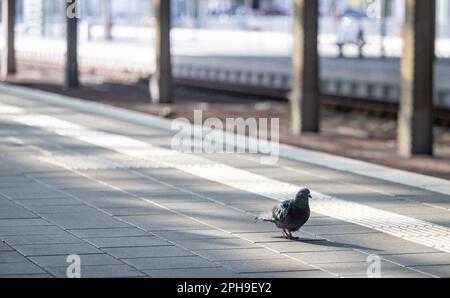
(103, 185)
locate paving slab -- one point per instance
(6, 223)
(438, 218)
(267, 237)
(148, 252)
(28, 230)
(214, 244)
(7, 205)
(380, 244)
(197, 205)
(331, 257)
(345, 229)
(4, 246)
(289, 274)
(89, 219)
(103, 271)
(146, 209)
(137, 184)
(108, 232)
(407, 208)
(163, 222)
(56, 249)
(396, 276)
(267, 265)
(43, 210)
(442, 271)
(239, 254)
(172, 196)
(22, 268)
(86, 260)
(193, 273)
(27, 276)
(306, 246)
(62, 182)
(190, 262)
(194, 234)
(16, 214)
(11, 257)
(361, 269)
(42, 239)
(420, 259)
(108, 174)
(115, 201)
(325, 221)
(28, 194)
(61, 201)
(141, 241)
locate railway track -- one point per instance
(330, 102)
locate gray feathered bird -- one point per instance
(290, 215)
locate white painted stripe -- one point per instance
(407, 228)
(8, 110)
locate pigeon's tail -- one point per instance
(265, 218)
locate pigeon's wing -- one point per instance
(280, 212)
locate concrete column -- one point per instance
(8, 64)
(71, 64)
(161, 81)
(305, 104)
(415, 135)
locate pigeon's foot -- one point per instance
(291, 237)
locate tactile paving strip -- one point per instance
(407, 228)
(82, 162)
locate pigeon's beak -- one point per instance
(310, 196)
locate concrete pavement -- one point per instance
(76, 180)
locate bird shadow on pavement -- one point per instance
(326, 243)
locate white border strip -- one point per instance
(286, 151)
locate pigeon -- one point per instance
(290, 215)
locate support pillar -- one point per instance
(8, 64)
(305, 106)
(71, 65)
(415, 135)
(161, 81)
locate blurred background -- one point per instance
(233, 58)
(374, 23)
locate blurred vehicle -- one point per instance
(351, 31)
